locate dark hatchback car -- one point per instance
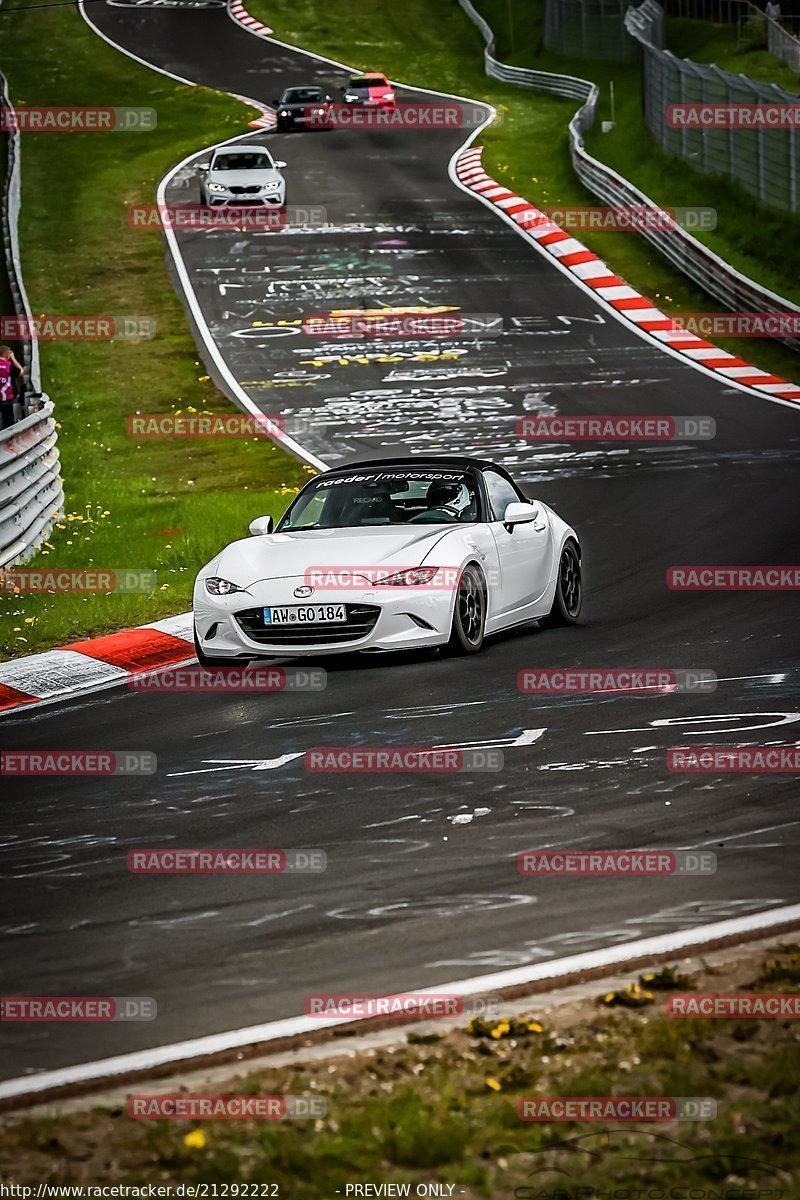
(302, 106)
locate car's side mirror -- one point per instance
(204, 166)
(519, 513)
(279, 164)
(260, 526)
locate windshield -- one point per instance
(391, 497)
(368, 81)
(301, 95)
(255, 161)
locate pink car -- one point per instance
(372, 89)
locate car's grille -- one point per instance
(361, 619)
(238, 203)
(249, 190)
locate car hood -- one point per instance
(243, 178)
(298, 105)
(289, 555)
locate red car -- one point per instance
(373, 89)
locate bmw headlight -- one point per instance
(217, 187)
(318, 112)
(221, 587)
(270, 187)
(284, 112)
(350, 97)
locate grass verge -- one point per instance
(747, 54)
(156, 505)
(432, 43)
(443, 1108)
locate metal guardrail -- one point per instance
(31, 491)
(722, 281)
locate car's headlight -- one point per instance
(221, 587)
(270, 187)
(388, 95)
(284, 112)
(414, 577)
(217, 187)
(350, 97)
(318, 112)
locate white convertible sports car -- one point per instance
(389, 555)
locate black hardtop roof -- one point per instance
(413, 462)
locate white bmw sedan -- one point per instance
(389, 555)
(242, 175)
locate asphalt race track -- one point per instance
(421, 885)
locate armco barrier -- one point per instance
(31, 491)
(692, 258)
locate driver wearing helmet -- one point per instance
(450, 497)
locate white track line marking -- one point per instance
(215, 1043)
(734, 837)
(202, 327)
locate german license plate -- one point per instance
(305, 614)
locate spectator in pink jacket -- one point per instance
(8, 365)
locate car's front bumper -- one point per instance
(249, 200)
(372, 103)
(404, 617)
(308, 121)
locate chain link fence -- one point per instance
(734, 290)
(762, 161)
(588, 29)
(781, 37)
